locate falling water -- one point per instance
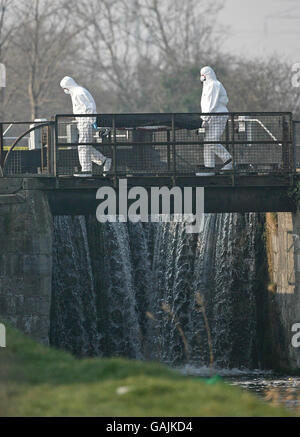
(123, 289)
(73, 309)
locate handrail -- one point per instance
(41, 125)
(271, 135)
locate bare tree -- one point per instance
(260, 85)
(134, 55)
(44, 46)
(7, 28)
(109, 50)
(5, 31)
(182, 31)
(131, 40)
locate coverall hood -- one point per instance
(68, 83)
(214, 96)
(82, 100)
(209, 74)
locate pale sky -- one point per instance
(262, 27)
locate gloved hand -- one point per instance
(104, 132)
(206, 118)
(203, 126)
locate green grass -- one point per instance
(39, 381)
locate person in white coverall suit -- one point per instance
(83, 103)
(214, 99)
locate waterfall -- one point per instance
(123, 289)
(73, 307)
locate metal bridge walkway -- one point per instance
(157, 150)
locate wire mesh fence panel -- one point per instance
(23, 163)
(297, 144)
(259, 143)
(154, 144)
(67, 161)
(174, 143)
(79, 146)
(25, 148)
(188, 158)
(14, 164)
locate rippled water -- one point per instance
(268, 386)
(283, 390)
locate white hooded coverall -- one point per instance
(83, 103)
(214, 99)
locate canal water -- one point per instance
(282, 390)
(270, 387)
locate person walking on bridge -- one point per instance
(83, 103)
(214, 99)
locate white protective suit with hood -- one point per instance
(214, 99)
(83, 103)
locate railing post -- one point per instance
(294, 145)
(285, 145)
(49, 149)
(292, 134)
(42, 151)
(227, 136)
(114, 145)
(233, 149)
(173, 144)
(168, 151)
(291, 144)
(1, 146)
(54, 146)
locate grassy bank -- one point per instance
(38, 381)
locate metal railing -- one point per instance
(26, 152)
(153, 144)
(179, 144)
(296, 136)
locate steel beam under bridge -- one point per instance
(77, 196)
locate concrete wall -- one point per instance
(25, 259)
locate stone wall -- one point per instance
(25, 259)
(283, 246)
